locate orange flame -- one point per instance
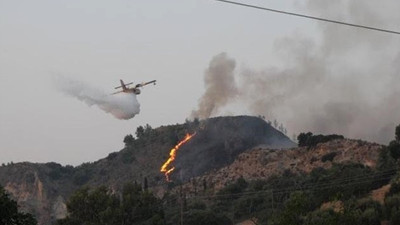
(172, 155)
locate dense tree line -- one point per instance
(101, 206)
(310, 140)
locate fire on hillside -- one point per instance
(165, 168)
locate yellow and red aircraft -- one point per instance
(135, 90)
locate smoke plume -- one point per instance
(346, 80)
(122, 106)
(220, 86)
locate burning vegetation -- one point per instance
(172, 155)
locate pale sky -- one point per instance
(99, 42)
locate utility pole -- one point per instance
(181, 203)
(272, 198)
(233, 214)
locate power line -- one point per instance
(287, 190)
(359, 179)
(309, 17)
(377, 176)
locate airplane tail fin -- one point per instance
(123, 85)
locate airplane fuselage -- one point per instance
(135, 91)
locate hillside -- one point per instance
(43, 189)
(262, 163)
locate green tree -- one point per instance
(139, 131)
(295, 209)
(128, 140)
(92, 207)
(326, 217)
(140, 207)
(100, 207)
(303, 138)
(205, 217)
(9, 214)
(392, 207)
(394, 149)
(385, 160)
(394, 146)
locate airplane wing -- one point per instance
(144, 84)
(117, 92)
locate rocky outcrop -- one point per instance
(33, 194)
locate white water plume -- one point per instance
(122, 106)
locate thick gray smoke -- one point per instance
(345, 81)
(220, 86)
(123, 106)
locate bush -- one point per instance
(394, 187)
(325, 217)
(395, 218)
(339, 190)
(129, 140)
(112, 155)
(127, 156)
(394, 149)
(328, 156)
(202, 217)
(82, 174)
(392, 205)
(235, 188)
(385, 160)
(58, 171)
(99, 206)
(370, 217)
(296, 207)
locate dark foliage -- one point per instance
(328, 156)
(100, 207)
(392, 208)
(202, 217)
(112, 155)
(129, 139)
(394, 149)
(296, 207)
(57, 171)
(310, 140)
(139, 131)
(127, 156)
(394, 146)
(235, 188)
(82, 174)
(385, 161)
(394, 187)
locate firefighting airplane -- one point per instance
(135, 90)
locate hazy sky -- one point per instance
(99, 42)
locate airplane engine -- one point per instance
(137, 91)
